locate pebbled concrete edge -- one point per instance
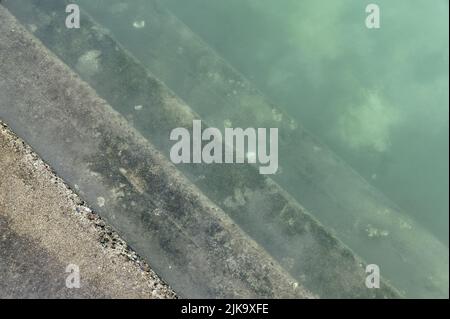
(46, 220)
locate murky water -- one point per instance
(362, 113)
(379, 98)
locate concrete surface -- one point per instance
(44, 227)
(257, 204)
(186, 247)
(191, 242)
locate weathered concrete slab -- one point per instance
(190, 241)
(272, 217)
(44, 227)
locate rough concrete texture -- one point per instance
(190, 241)
(44, 227)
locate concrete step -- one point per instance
(358, 214)
(190, 241)
(269, 214)
(54, 246)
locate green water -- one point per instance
(378, 97)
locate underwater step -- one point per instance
(190, 242)
(361, 216)
(311, 254)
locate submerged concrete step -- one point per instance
(286, 230)
(414, 260)
(190, 241)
